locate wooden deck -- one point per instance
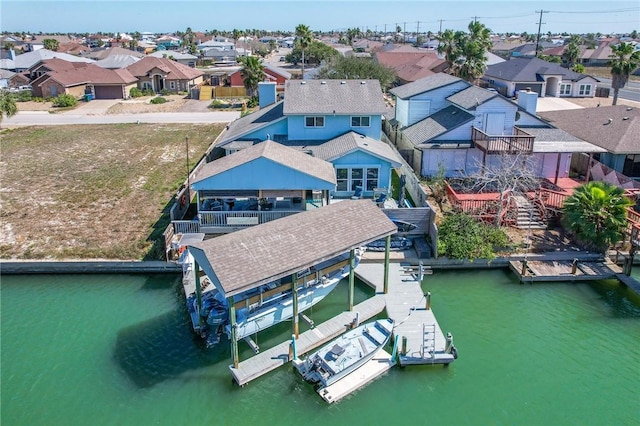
(277, 356)
(563, 270)
(406, 305)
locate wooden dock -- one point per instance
(563, 270)
(277, 356)
(422, 339)
(376, 367)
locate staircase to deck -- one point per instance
(528, 216)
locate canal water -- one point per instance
(117, 350)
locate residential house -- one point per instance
(167, 42)
(274, 74)
(411, 65)
(544, 78)
(183, 58)
(614, 128)
(160, 74)
(27, 60)
(39, 72)
(443, 121)
(10, 79)
(84, 79)
(114, 62)
(36, 42)
(598, 57)
(264, 181)
(337, 121)
(105, 52)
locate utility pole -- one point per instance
(539, 26)
(475, 19)
(440, 30)
(404, 32)
(417, 32)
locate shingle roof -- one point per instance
(411, 66)
(352, 141)
(175, 70)
(104, 53)
(529, 70)
(471, 97)
(424, 85)
(26, 60)
(275, 152)
(333, 97)
(117, 61)
(252, 122)
(91, 73)
(176, 55)
(620, 136)
(248, 258)
(436, 124)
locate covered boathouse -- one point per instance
(249, 258)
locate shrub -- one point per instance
(253, 102)
(217, 103)
(64, 101)
(23, 96)
(165, 92)
(135, 92)
(158, 100)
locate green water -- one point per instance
(117, 350)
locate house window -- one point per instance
(314, 121)
(565, 89)
(585, 89)
(360, 121)
(342, 179)
(172, 85)
(146, 85)
(631, 166)
(349, 178)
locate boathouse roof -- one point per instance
(248, 258)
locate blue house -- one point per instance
(339, 121)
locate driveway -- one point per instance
(194, 105)
(94, 107)
(555, 104)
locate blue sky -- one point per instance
(572, 16)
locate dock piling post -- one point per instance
(574, 266)
(394, 353)
(523, 272)
(352, 265)
(404, 345)
(387, 247)
(294, 289)
(428, 296)
(449, 344)
(293, 351)
(421, 271)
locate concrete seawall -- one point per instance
(88, 267)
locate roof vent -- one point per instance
(343, 82)
(609, 121)
(625, 118)
(363, 82)
(323, 82)
(303, 82)
(629, 108)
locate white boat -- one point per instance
(346, 354)
(265, 306)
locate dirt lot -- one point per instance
(133, 106)
(93, 191)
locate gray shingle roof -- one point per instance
(471, 97)
(619, 136)
(252, 122)
(529, 70)
(436, 124)
(353, 141)
(275, 152)
(333, 97)
(424, 85)
(248, 258)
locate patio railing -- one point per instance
(521, 141)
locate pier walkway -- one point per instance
(563, 270)
(422, 340)
(277, 356)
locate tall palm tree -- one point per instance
(252, 73)
(447, 46)
(596, 213)
(624, 61)
(304, 38)
(474, 47)
(572, 52)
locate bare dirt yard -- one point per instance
(141, 105)
(92, 191)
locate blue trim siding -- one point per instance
(334, 126)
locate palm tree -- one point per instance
(624, 61)
(447, 46)
(572, 52)
(597, 214)
(474, 47)
(252, 73)
(7, 105)
(304, 39)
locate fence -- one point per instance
(229, 92)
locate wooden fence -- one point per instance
(229, 92)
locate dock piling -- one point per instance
(428, 297)
(574, 266)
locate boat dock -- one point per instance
(279, 355)
(421, 338)
(381, 362)
(563, 270)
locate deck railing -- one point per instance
(521, 141)
(228, 219)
